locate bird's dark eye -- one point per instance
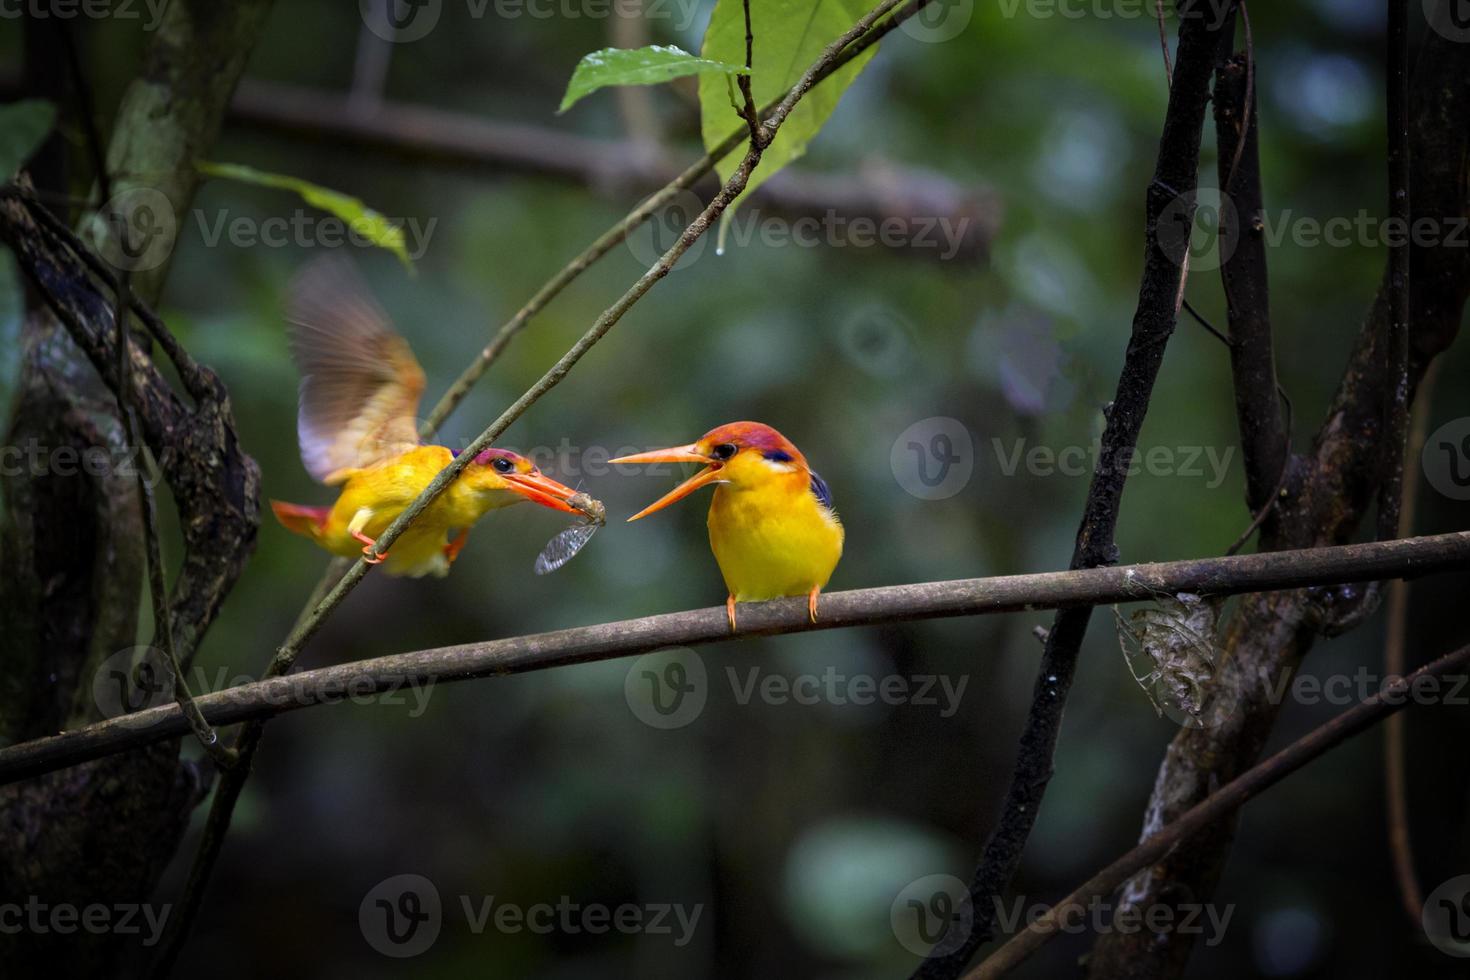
(724, 450)
(502, 465)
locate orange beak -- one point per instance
(542, 490)
(678, 454)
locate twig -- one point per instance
(1396, 779)
(1226, 800)
(1160, 292)
(306, 626)
(1269, 571)
(1396, 411)
(1264, 436)
(619, 232)
(758, 136)
(1259, 517)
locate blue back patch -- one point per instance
(821, 491)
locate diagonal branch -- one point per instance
(619, 232)
(1160, 292)
(1229, 798)
(1075, 588)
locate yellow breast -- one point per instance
(374, 497)
(773, 540)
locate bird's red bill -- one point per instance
(542, 490)
(678, 454)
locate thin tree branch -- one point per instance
(1077, 588)
(619, 232)
(1396, 633)
(1160, 293)
(1258, 409)
(219, 818)
(758, 136)
(1396, 412)
(878, 190)
(1226, 800)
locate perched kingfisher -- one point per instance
(360, 391)
(771, 523)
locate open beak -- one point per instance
(679, 454)
(542, 490)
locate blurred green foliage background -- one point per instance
(794, 827)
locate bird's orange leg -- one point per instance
(453, 548)
(811, 602)
(730, 611)
(367, 549)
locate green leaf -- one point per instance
(789, 36)
(360, 218)
(639, 66)
(23, 125)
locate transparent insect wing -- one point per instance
(563, 547)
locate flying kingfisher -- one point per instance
(771, 523)
(360, 391)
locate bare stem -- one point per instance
(1268, 571)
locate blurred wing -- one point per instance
(564, 547)
(360, 383)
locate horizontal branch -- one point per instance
(877, 192)
(1407, 557)
(1232, 796)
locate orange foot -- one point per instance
(367, 549)
(730, 611)
(811, 602)
(453, 548)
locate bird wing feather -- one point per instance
(360, 383)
